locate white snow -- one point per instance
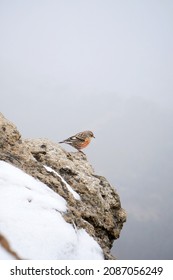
(75, 194)
(32, 222)
(4, 255)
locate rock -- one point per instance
(4, 245)
(98, 210)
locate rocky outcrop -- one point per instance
(98, 210)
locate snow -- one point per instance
(32, 222)
(4, 255)
(75, 194)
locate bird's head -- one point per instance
(91, 134)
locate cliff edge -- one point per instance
(93, 205)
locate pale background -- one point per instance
(107, 66)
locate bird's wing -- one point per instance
(80, 136)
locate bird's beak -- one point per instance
(93, 136)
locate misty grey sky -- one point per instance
(107, 66)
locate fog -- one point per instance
(106, 66)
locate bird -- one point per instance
(80, 140)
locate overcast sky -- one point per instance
(107, 66)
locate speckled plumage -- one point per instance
(80, 140)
